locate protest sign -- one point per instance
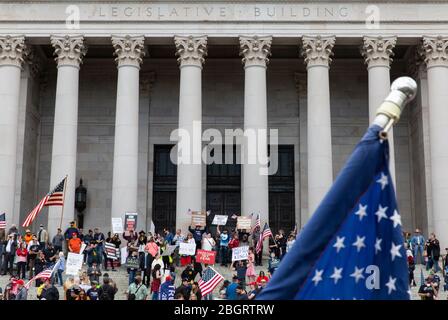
(74, 263)
(240, 253)
(130, 221)
(83, 247)
(205, 256)
(117, 225)
(220, 220)
(169, 250)
(198, 218)
(244, 223)
(188, 249)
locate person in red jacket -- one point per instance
(22, 255)
(233, 243)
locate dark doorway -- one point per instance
(224, 190)
(281, 192)
(164, 189)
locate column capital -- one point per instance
(129, 50)
(317, 50)
(435, 51)
(191, 50)
(12, 50)
(69, 50)
(378, 51)
(255, 50)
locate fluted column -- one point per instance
(435, 51)
(12, 51)
(129, 51)
(255, 188)
(378, 53)
(317, 52)
(69, 52)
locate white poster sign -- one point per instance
(188, 249)
(240, 253)
(220, 220)
(169, 250)
(74, 263)
(117, 225)
(83, 247)
(124, 255)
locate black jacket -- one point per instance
(50, 294)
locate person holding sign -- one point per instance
(197, 235)
(223, 246)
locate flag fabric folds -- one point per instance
(352, 247)
(45, 274)
(53, 198)
(263, 235)
(209, 280)
(3, 221)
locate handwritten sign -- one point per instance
(117, 225)
(188, 249)
(240, 253)
(130, 221)
(244, 223)
(74, 263)
(198, 218)
(220, 220)
(205, 256)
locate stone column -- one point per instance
(255, 188)
(69, 51)
(377, 53)
(129, 51)
(11, 58)
(435, 50)
(317, 52)
(191, 52)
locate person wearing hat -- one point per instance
(70, 230)
(22, 292)
(167, 289)
(418, 244)
(74, 244)
(42, 237)
(28, 236)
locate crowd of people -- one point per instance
(151, 274)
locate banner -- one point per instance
(188, 249)
(240, 253)
(220, 220)
(244, 223)
(74, 263)
(198, 218)
(205, 256)
(130, 221)
(117, 225)
(169, 250)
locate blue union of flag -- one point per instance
(352, 247)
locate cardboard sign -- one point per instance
(74, 263)
(188, 249)
(130, 221)
(117, 225)
(240, 253)
(169, 250)
(244, 223)
(198, 218)
(205, 256)
(220, 220)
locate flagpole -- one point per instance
(63, 202)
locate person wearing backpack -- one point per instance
(137, 290)
(107, 291)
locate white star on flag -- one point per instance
(357, 274)
(396, 218)
(339, 243)
(391, 284)
(383, 181)
(381, 213)
(361, 211)
(359, 243)
(336, 274)
(395, 251)
(378, 245)
(317, 276)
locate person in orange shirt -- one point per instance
(28, 236)
(74, 244)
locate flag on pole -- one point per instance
(266, 233)
(352, 247)
(257, 223)
(209, 280)
(45, 274)
(3, 221)
(53, 198)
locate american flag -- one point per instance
(353, 246)
(53, 198)
(3, 221)
(209, 280)
(263, 235)
(257, 223)
(45, 274)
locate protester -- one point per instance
(417, 244)
(39, 266)
(9, 254)
(137, 290)
(197, 235)
(223, 246)
(94, 273)
(132, 265)
(82, 295)
(99, 240)
(42, 237)
(58, 240)
(70, 231)
(115, 240)
(428, 290)
(231, 289)
(92, 293)
(107, 291)
(22, 255)
(156, 281)
(33, 249)
(51, 255)
(261, 277)
(74, 244)
(273, 263)
(22, 292)
(250, 272)
(184, 289)
(49, 291)
(167, 289)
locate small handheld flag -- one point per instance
(3, 221)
